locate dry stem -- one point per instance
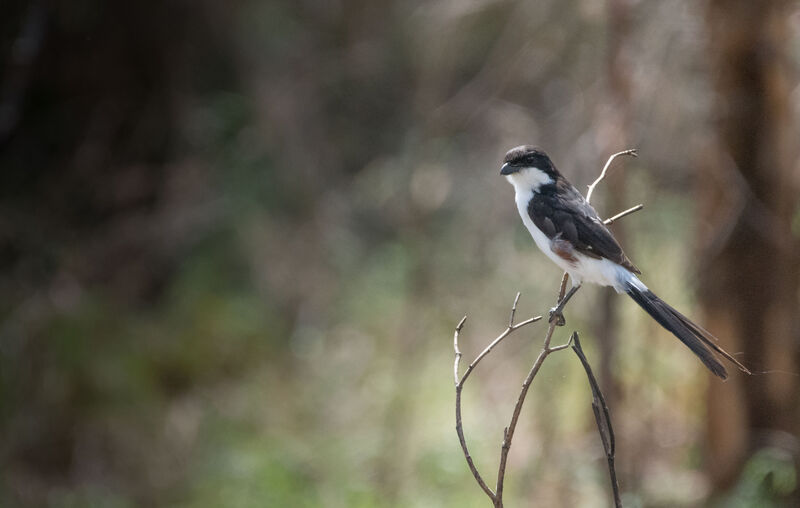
(632, 152)
(601, 416)
(460, 383)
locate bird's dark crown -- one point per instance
(527, 156)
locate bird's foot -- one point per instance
(557, 316)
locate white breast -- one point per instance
(539, 237)
(586, 269)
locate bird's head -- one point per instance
(528, 167)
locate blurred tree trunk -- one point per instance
(748, 193)
(613, 133)
(613, 127)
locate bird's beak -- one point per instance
(507, 169)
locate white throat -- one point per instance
(528, 180)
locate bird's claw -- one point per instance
(557, 316)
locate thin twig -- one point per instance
(601, 416)
(508, 434)
(459, 383)
(562, 346)
(513, 310)
(632, 152)
(491, 346)
(459, 425)
(623, 214)
(455, 347)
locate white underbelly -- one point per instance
(585, 268)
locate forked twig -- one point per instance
(459, 382)
(632, 152)
(601, 416)
(508, 432)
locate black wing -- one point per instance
(564, 216)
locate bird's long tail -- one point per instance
(701, 342)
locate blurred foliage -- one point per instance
(769, 480)
(236, 238)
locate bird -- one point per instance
(567, 229)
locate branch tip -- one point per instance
(513, 310)
(622, 214)
(633, 152)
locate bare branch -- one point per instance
(632, 152)
(459, 383)
(562, 346)
(623, 214)
(459, 426)
(508, 434)
(492, 345)
(563, 287)
(601, 416)
(462, 440)
(455, 348)
(513, 310)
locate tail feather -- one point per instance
(694, 337)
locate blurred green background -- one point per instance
(235, 238)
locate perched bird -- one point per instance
(568, 230)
